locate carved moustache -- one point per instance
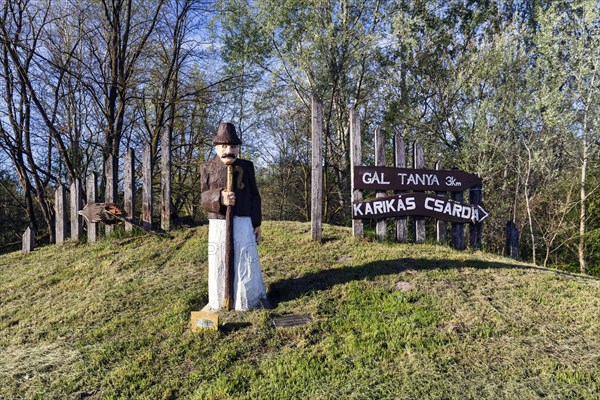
(228, 155)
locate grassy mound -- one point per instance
(389, 321)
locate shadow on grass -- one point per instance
(293, 288)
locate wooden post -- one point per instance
(355, 159)
(316, 214)
(92, 189)
(475, 230)
(512, 240)
(61, 213)
(76, 205)
(419, 163)
(380, 162)
(28, 241)
(458, 229)
(129, 187)
(441, 225)
(400, 162)
(147, 187)
(110, 195)
(165, 180)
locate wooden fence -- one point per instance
(68, 217)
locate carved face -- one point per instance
(227, 152)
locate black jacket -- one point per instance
(214, 180)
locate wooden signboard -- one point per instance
(421, 204)
(389, 178)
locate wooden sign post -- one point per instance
(92, 188)
(129, 187)
(380, 161)
(61, 214)
(355, 160)
(76, 204)
(440, 224)
(28, 243)
(419, 202)
(316, 199)
(419, 163)
(400, 155)
(110, 195)
(147, 186)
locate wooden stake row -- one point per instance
(91, 189)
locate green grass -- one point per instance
(111, 321)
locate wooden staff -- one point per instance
(229, 251)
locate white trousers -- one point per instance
(248, 285)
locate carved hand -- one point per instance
(258, 234)
(227, 198)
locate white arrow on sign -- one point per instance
(480, 214)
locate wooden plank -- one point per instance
(60, 209)
(147, 186)
(419, 163)
(400, 162)
(512, 240)
(110, 195)
(165, 180)
(458, 229)
(92, 190)
(381, 227)
(76, 205)
(28, 241)
(441, 226)
(390, 178)
(316, 199)
(355, 160)
(129, 187)
(475, 230)
(416, 204)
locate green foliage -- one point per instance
(111, 320)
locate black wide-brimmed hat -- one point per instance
(226, 134)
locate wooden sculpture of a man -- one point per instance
(230, 197)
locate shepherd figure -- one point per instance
(230, 197)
